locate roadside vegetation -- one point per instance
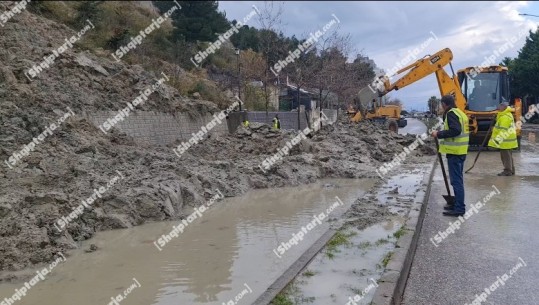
(339, 239)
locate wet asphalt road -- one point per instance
(502, 235)
(414, 126)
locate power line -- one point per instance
(528, 15)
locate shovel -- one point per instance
(448, 198)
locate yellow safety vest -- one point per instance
(504, 135)
(276, 123)
(459, 144)
(246, 123)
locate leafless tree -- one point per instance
(333, 52)
(394, 101)
(434, 104)
(350, 77)
(269, 19)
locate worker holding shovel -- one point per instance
(454, 140)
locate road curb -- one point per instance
(307, 256)
(393, 281)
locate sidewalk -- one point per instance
(488, 244)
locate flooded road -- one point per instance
(414, 126)
(225, 255)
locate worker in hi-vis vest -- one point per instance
(454, 140)
(276, 122)
(504, 137)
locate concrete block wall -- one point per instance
(158, 128)
(289, 120)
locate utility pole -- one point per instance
(239, 74)
(299, 96)
(299, 104)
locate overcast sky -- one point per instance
(387, 31)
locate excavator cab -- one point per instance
(483, 89)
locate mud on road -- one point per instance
(159, 186)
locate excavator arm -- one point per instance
(430, 64)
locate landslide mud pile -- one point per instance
(157, 185)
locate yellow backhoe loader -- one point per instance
(477, 90)
(387, 115)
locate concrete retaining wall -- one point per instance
(289, 120)
(157, 128)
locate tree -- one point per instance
(433, 104)
(507, 62)
(322, 76)
(246, 38)
(524, 71)
(326, 69)
(334, 73)
(87, 10)
(269, 20)
(395, 101)
(359, 74)
(525, 68)
(253, 65)
(196, 20)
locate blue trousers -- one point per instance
(456, 175)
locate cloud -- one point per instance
(387, 31)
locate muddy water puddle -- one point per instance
(353, 270)
(225, 255)
(350, 270)
(400, 190)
